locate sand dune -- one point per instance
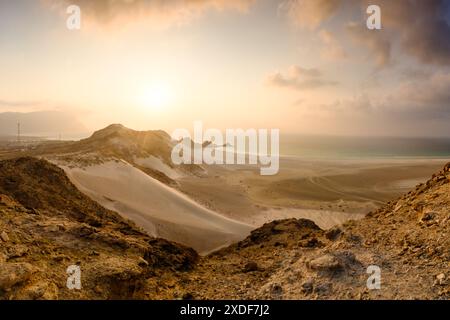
(155, 163)
(158, 209)
(327, 191)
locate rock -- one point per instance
(187, 296)
(323, 288)
(276, 291)
(426, 215)
(13, 273)
(41, 290)
(61, 257)
(440, 279)
(398, 206)
(251, 266)
(17, 251)
(7, 201)
(447, 167)
(4, 236)
(308, 286)
(98, 289)
(142, 262)
(326, 262)
(333, 233)
(310, 243)
(280, 244)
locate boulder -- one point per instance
(326, 262)
(251, 266)
(4, 236)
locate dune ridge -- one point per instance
(158, 209)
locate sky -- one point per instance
(302, 66)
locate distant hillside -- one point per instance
(149, 151)
(42, 123)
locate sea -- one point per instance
(309, 146)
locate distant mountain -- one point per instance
(41, 123)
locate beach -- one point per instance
(327, 191)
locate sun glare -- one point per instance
(156, 97)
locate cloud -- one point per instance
(160, 12)
(376, 42)
(332, 50)
(420, 28)
(415, 107)
(310, 13)
(11, 103)
(18, 105)
(299, 78)
(427, 97)
(419, 99)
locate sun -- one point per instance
(156, 97)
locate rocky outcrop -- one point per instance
(407, 241)
(47, 225)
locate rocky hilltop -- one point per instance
(112, 143)
(46, 225)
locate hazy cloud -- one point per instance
(419, 98)
(420, 28)
(299, 78)
(310, 13)
(415, 74)
(40, 123)
(376, 42)
(18, 105)
(428, 97)
(162, 12)
(332, 49)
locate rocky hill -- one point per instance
(46, 224)
(115, 142)
(408, 239)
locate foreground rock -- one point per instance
(48, 225)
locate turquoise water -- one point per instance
(364, 147)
